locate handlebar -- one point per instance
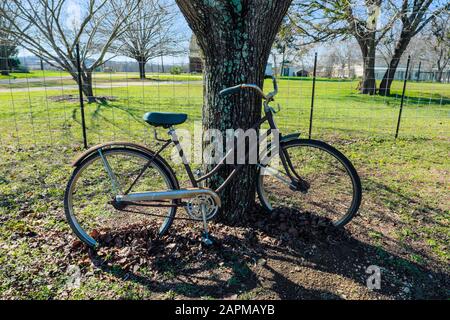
(238, 88)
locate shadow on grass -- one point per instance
(435, 99)
(392, 100)
(398, 200)
(261, 256)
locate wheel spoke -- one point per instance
(98, 180)
(334, 188)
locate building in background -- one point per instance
(269, 70)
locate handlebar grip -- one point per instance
(231, 90)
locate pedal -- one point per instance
(207, 240)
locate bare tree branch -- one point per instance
(414, 17)
(51, 29)
(150, 33)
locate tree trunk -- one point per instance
(162, 64)
(369, 83)
(142, 62)
(236, 38)
(283, 57)
(88, 89)
(388, 78)
(368, 50)
(440, 69)
(439, 76)
(4, 66)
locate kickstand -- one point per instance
(206, 238)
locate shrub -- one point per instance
(176, 70)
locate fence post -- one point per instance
(312, 96)
(403, 97)
(80, 88)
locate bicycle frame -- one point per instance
(289, 170)
(293, 179)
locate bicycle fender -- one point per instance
(109, 145)
(285, 139)
(289, 137)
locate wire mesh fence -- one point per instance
(43, 107)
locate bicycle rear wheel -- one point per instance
(333, 187)
(88, 200)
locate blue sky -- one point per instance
(74, 13)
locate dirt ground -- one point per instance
(260, 259)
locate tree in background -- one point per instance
(236, 38)
(340, 59)
(51, 29)
(287, 44)
(439, 39)
(8, 48)
(150, 33)
(347, 56)
(323, 20)
(7, 62)
(414, 16)
(330, 62)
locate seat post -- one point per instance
(173, 135)
(180, 150)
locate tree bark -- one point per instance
(236, 38)
(368, 50)
(388, 78)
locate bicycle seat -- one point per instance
(165, 119)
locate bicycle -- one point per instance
(111, 178)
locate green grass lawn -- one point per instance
(405, 204)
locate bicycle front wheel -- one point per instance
(89, 198)
(331, 186)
